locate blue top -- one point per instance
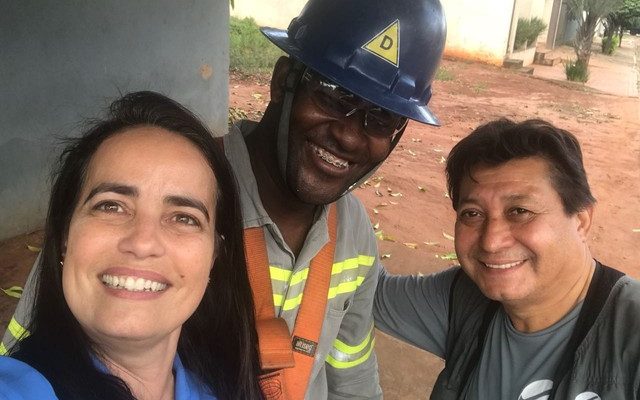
(19, 381)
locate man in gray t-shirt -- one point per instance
(530, 314)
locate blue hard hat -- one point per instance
(385, 51)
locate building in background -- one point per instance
(479, 30)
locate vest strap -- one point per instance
(287, 359)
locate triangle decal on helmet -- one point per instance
(386, 44)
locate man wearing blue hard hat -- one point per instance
(357, 71)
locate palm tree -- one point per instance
(588, 13)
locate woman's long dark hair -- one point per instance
(218, 342)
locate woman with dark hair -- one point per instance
(142, 289)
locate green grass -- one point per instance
(479, 87)
(443, 74)
(249, 50)
(576, 71)
(610, 44)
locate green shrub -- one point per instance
(527, 32)
(576, 71)
(610, 44)
(249, 50)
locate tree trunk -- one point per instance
(584, 38)
(620, 42)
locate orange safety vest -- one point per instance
(287, 359)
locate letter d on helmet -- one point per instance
(385, 51)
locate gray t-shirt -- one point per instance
(513, 365)
(519, 366)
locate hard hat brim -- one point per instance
(352, 81)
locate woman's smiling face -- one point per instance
(141, 239)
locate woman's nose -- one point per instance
(142, 238)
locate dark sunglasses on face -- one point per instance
(338, 103)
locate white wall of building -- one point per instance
(273, 13)
(478, 30)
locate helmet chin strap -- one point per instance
(367, 175)
(291, 83)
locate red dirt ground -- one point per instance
(607, 126)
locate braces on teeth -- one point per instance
(330, 158)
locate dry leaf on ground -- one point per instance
(448, 256)
(13, 291)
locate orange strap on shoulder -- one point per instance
(290, 383)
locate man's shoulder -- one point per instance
(626, 293)
(350, 200)
(242, 127)
(622, 308)
(351, 210)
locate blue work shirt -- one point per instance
(19, 381)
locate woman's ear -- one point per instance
(218, 245)
(279, 77)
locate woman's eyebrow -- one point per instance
(118, 188)
(185, 201)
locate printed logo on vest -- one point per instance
(304, 346)
(587, 396)
(538, 390)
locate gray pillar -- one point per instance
(554, 22)
(63, 61)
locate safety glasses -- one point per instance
(337, 102)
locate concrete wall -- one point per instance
(273, 13)
(478, 30)
(62, 61)
(546, 17)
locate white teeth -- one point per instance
(503, 266)
(330, 158)
(132, 284)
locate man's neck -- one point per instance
(146, 367)
(536, 317)
(293, 217)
